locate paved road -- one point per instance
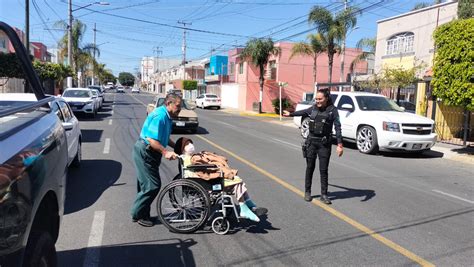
(387, 209)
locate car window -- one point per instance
(94, 92)
(56, 109)
(211, 96)
(377, 103)
(345, 100)
(65, 110)
(76, 93)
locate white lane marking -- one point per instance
(284, 142)
(226, 124)
(453, 196)
(110, 121)
(112, 112)
(107, 146)
(92, 257)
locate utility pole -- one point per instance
(184, 47)
(343, 49)
(69, 44)
(27, 37)
(27, 26)
(93, 68)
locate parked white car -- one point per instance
(208, 100)
(375, 122)
(135, 90)
(81, 100)
(65, 115)
(99, 98)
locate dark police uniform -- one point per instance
(318, 142)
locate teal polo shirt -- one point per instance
(157, 126)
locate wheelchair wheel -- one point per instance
(220, 225)
(183, 206)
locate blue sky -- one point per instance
(130, 29)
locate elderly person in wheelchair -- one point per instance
(232, 183)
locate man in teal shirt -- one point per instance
(147, 154)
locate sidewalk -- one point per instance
(452, 152)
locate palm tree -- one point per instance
(257, 51)
(367, 45)
(82, 54)
(313, 48)
(333, 28)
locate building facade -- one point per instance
(296, 71)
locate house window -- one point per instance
(241, 68)
(232, 67)
(400, 43)
(273, 69)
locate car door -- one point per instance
(347, 116)
(72, 133)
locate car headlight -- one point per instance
(391, 126)
(193, 119)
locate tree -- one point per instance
(257, 51)
(453, 70)
(465, 9)
(313, 48)
(399, 78)
(420, 6)
(367, 45)
(333, 29)
(82, 54)
(126, 78)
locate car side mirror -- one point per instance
(347, 107)
(68, 126)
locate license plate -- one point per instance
(73, 108)
(416, 146)
(180, 123)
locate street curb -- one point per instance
(451, 155)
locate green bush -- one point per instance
(190, 85)
(453, 71)
(285, 104)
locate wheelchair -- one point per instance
(185, 204)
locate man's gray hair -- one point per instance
(172, 98)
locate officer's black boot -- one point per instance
(307, 196)
(324, 198)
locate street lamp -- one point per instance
(69, 35)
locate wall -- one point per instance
(422, 23)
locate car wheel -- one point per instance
(305, 127)
(367, 140)
(40, 250)
(77, 160)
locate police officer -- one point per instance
(323, 115)
(147, 154)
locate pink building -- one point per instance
(40, 51)
(297, 72)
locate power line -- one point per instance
(166, 25)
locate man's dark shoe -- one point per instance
(259, 211)
(145, 222)
(307, 196)
(325, 199)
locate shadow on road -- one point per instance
(200, 130)
(91, 135)
(168, 252)
(348, 192)
(86, 184)
(401, 154)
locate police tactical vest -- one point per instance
(320, 124)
